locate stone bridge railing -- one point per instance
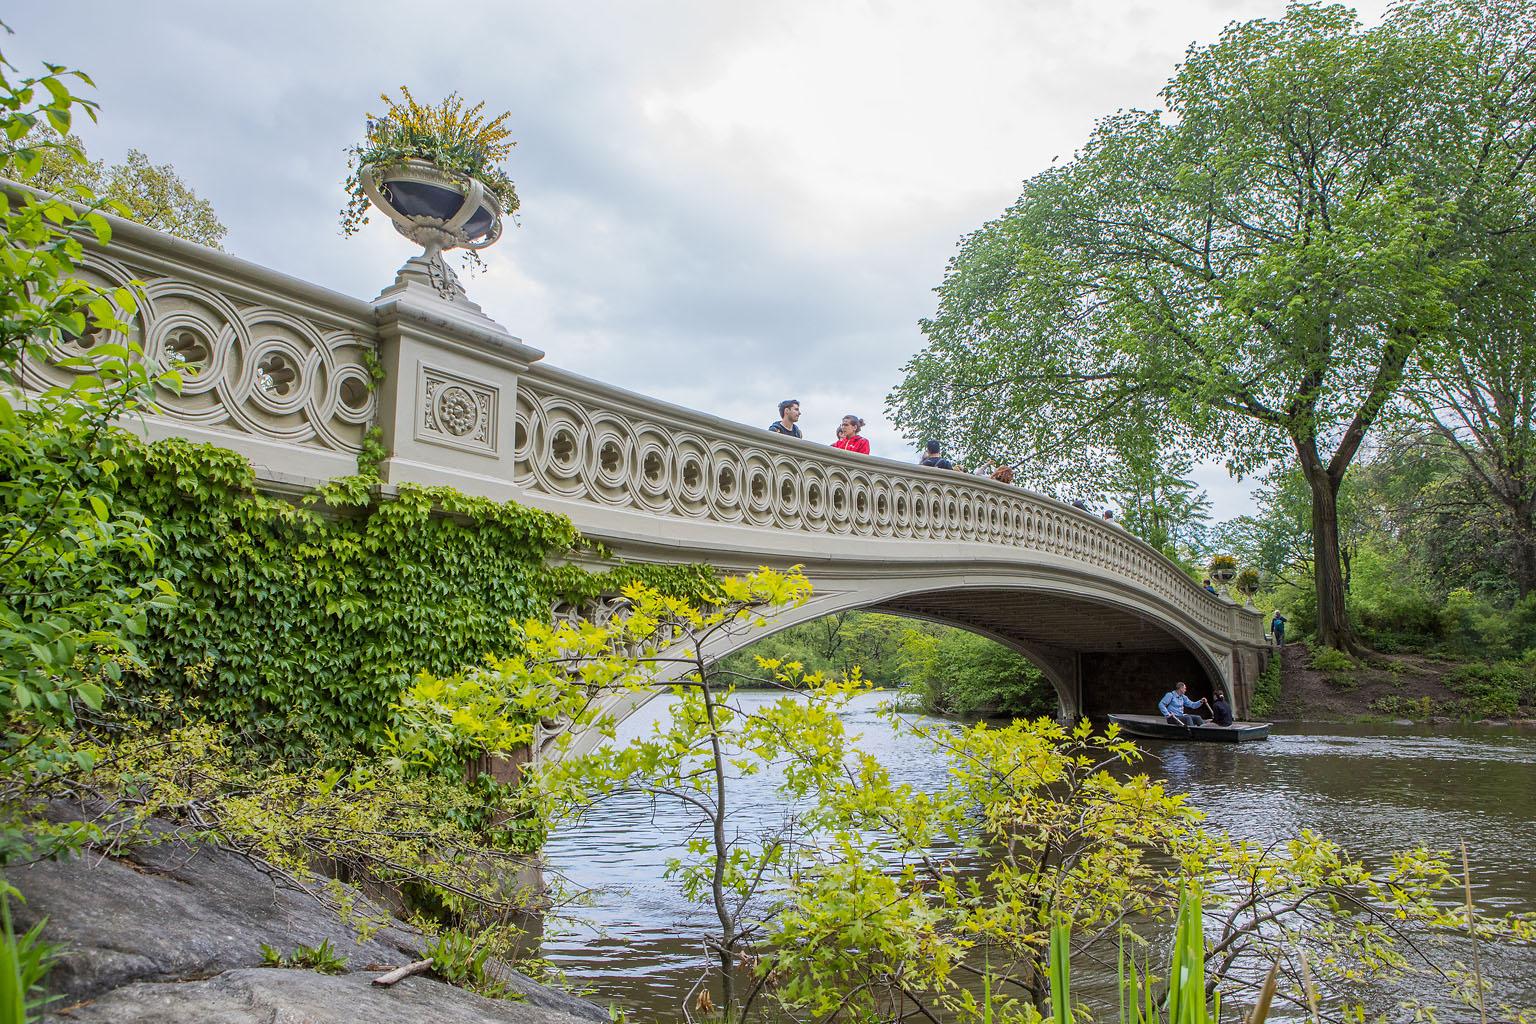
(580, 440)
(281, 371)
(272, 366)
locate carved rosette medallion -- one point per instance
(456, 411)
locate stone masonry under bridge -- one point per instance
(279, 371)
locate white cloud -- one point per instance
(724, 204)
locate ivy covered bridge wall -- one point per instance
(306, 620)
(444, 408)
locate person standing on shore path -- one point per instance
(1277, 627)
(789, 415)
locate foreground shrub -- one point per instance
(1069, 835)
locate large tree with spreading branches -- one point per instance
(1254, 270)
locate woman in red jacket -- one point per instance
(848, 438)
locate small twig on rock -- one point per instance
(401, 973)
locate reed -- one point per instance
(1185, 1002)
(1061, 972)
(24, 960)
(1477, 958)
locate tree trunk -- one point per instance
(1525, 550)
(727, 950)
(1333, 625)
(1037, 984)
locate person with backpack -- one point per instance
(932, 458)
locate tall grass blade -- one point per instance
(1127, 1000)
(1186, 970)
(1060, 968)
(1266, 995)
(13, 990)
(1149, 998)
(24, 962)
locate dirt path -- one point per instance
(1388, 685)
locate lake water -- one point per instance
(1373, 788)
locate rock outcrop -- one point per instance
(269, 996)
(172, 933)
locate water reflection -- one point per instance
(1372, 788)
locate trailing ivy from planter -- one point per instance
(300, 624)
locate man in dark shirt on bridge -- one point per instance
(789, 415)
(933, 459)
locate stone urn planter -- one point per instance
(1247, 584)
(436, 171)
(437, 209)
(1223, 568)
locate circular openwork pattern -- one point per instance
(576, 444)
(243, 367)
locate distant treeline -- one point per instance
(947, 670)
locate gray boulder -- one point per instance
(173, 926)
(270, 996)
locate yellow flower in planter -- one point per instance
(460, 141)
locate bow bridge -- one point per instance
(280, 371)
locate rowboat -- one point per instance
(1155, 727)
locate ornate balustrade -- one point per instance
(579, 440)
(276, 363)
(279, 370)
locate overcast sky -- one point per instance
(724, 203)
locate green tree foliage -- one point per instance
(151, 194)
(1254, 270)
(1277, 538)
(77, 568)
(1478, 399)
(948, 670)
(1158, 501)
(954, 672)
(1414, 530)
(832, 645)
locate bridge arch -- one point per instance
(461, 402)
(1122, 654)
